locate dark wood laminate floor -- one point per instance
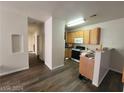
(40, 78)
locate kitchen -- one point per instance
(84, 38)
(84, 46)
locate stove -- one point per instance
(75, 55)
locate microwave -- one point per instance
(78, 40)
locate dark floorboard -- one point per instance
(40, 78)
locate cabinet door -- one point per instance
(95, 36)
(76, 34)
(86, 34)
(90, 66)
(68, 53)
(83, 66)
(81, 34)
(86, 67)
(70, 37)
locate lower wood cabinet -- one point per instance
(123, 76)
(86, 67)
(68, 52)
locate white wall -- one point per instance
(48, 42)
(112, 33)
(54, 43)
(30, 41)
(42, 43)
(13, 23)
(101, 66)
(0, 41)
(58, 44)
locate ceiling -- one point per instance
(32, 21)
(69, 10)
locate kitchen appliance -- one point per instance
(75, 55)
(78, 40)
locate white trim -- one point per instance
(50, 67)
(115, 70)
(57, 67)
(123, 88)
(16, 70)
(96, 71)
(100, 81)
(41, 58)
(75, 60)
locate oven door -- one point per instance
(75, 55)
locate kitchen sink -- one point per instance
(90, 55)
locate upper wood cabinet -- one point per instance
(80, 34)
(89, 36)
(72, 35)
(95, 36)
(86, 36)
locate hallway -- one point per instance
(39, 78)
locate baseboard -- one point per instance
(100, 81)
(115, 70)
(57, 67)
(16, 70)
(50, 67)
(41, 58)
(103, 77)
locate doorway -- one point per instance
(35, 40)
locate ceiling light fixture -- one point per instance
(76, 22)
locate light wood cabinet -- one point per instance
(68, 52)
(72, 35)
(123, 76)
(86, 36)
(95, 36)
(86, 67)
(91, 36)
(81, 34)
